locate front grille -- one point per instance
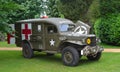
(93, 41)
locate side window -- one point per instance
(39, 28)
(51, 29)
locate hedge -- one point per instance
(108, 29)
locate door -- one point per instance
(36, 38)
(51, 37)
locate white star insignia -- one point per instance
(52, 42)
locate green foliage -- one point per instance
(75, 9)
(113, 6)
(96, 27)
(14, 10)
(53, 10)
(93, 13)
(31, 9)
(36, 8)
(108, 29)
(6, 8)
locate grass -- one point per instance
(12, 61)
(108, 46)
(5, 44)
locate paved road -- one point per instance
(18, 48)
(111, 50)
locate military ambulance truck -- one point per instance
(56, 35)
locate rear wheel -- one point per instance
(94, 57)
(27, 50)
(70, 56)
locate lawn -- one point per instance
(108, 46)
(12, 61)
(5, 44)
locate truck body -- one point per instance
(57, 35)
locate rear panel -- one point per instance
(18, 34)
(23, 31)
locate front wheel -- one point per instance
(94, 57)
(27, 50)
(70, 56)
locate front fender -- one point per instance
(76, 42)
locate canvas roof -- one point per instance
(54, 21)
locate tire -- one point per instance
(70, 56)
(95, 57)
(27, 50)
(49, 54)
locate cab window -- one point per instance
(66, 27)
(51, 29)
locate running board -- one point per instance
(51, 52)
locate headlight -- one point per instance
(88, 41)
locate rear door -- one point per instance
(36, 38)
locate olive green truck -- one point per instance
(56, 35)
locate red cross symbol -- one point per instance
(9, 36)
(26, 31)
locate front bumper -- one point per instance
(88, 50)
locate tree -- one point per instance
(75, 9)
(14, 10)
(94, 11)
(107, 27)
(6, 8)
(32, 9)
(53, 10)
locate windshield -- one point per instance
(66, 27)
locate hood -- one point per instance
(72, 35)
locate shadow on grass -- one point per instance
(83, 62)
(39, 57)
(57, 59)
(44, 57)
